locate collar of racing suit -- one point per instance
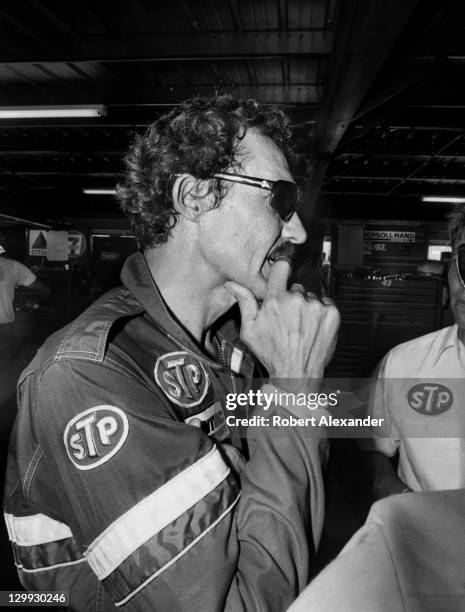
(232, 353)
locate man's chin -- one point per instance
(258, 287)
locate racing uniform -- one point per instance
(113, 496)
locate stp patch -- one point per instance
(94, 436)
(182, 378)
(430, 399)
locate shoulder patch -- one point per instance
(94, 436)
(182, 378)
(430, 399)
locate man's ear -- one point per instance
(191, 197)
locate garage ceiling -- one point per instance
(375, 91)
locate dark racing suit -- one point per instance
(122, 486)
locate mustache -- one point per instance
(285, 250)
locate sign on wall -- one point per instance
(38, 242)
(56, 245)
(389, 245)
(389, 236)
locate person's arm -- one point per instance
(293, 335)
(279, 518)
(27, 279)
(39, 286)
(362, 578)
(382, 448)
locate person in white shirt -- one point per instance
(12, 274)
(419, 393)
(408, 556)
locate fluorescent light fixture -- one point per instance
(450, 200)
(99, 191)
(51, 112)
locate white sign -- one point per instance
(76, 244)
(389, 236)
(38, 242)
(57, 246)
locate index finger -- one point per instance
(279, 275)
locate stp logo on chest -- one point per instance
(182, 378)
(95, 435)
(430, 399)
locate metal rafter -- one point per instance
(57, 22)
(302, 93)
(367, 31)
(412, 174)
(175, 46)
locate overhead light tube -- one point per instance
(446, 199)
(99, 191)
(52, 112)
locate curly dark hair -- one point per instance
(199, 137)
(456, 225)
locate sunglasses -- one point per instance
(459, 256)
(285, 196)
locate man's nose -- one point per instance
(294, 231)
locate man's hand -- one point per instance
(293, 333)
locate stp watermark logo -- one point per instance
(430, 399)
(95, 435)
(182, 378)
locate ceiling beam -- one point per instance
(164, 95)
(360, 207)
(64, 175)
(28, 152)
(24, 221)
(447, 90)
(162, 46)
(404, 78)
(399, 156)
(378, 111)
(414, 174)
(367, 31)
(407, 179)
(443, 43)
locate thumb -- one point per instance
(245, 298)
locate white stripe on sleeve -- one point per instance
(35, 530)
(152, 514)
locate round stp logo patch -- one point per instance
(95, 435)
(182, 378)
(430, 399)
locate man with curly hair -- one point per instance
(128, 484)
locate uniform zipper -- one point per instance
(236, 439)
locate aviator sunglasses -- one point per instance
(459, 256)
(285, 196)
